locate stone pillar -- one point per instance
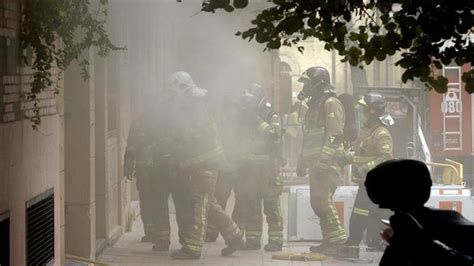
(79, 161)
(100, 102)
(59, 192)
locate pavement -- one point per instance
(129, 250)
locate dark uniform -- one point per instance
(260, 181)
(200, 153)
(166, 180)
(373, 146)
(152, 143)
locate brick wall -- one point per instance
(29, 160)
(15, 76)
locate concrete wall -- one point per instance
(30, 161)
(30, 166)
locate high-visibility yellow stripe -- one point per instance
(327, 150)
(263, 126)
(371, 165)
(336, 232)
(361, 212)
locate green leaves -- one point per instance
(241, 3)
(274, 44)
(47, 22)
(363, 31)
(313, 22)
(468, 78)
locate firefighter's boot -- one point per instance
(233, 246)
(251, 245)
(183, 254)
(272, 247)
(146, 238)
(160, 246)
(326, 249)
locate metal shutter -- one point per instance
(40, 229)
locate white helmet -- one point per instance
(182, 83)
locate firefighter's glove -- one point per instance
(344, 158)
(301, 167)
(329, 152)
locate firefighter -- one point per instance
(166, 179)
(199, 154)
(323, 130)
(138, 164)
(259, 173)
(151, 148)
(373, 146)
(228, 129)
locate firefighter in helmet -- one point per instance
(199, 154)
(166, 179)
(150, 156)
(228, 128)
(323, 130)
(373, 146)
(259, 172)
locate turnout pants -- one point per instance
(257, 187)
(145, 194)
(203, 206)
(164, 182)
(224, 186)
(322, 184)
(365, 215)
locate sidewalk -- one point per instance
(130, 251)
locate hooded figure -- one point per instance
(417, 235)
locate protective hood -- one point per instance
(181, 84)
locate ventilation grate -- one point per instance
(40, 229)
(4, 239)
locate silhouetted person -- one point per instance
(418, 235)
